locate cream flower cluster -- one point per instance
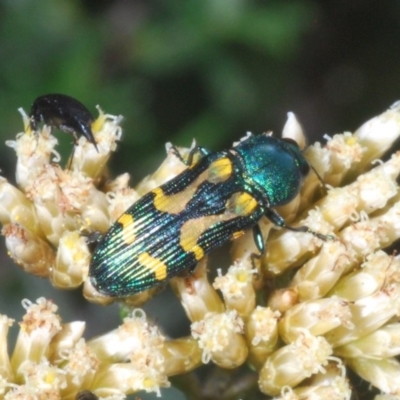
(52, 360)
(304, 315)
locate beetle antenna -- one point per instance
(319, 177)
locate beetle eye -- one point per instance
(303, 165)
(304, 168)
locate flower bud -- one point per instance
(221, 338)
(291, 364)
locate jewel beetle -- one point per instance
(65, 113)
(216, 199)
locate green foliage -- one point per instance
(174, 69)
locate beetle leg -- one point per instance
(258, 237)
(195, 154)
(275, 218)
(71, 157)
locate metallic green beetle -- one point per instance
(216, 199)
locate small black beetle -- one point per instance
(86, 395)
(65, 113)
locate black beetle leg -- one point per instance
(275, 218)
(259, 242)
(71, 157)
(200, 151)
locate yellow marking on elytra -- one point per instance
(173, 204)
(198, 252)
(176, 203)
(189, 244)
(220, 170)
(242, 204)
(192, 230)
(128, 233)
(154, 265)
(237, 234)
(194, 248)
(125, 220)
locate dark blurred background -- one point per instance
(177, 70)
